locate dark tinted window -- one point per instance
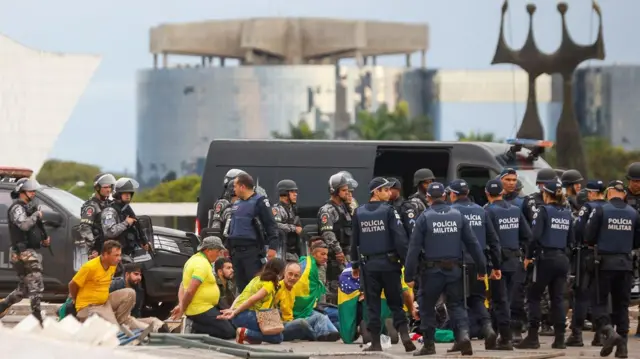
(5, 203)
(476, 178)
(404, 162)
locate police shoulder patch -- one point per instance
(274, 210)
(582, 211)
(324, 218)
(266, 202)
(535, 215)
(89, 211)
(218, 208)
(411, 214)
(396, 214)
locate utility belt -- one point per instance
(392, 256)
(446, 264)
(508, 253)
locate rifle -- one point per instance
(30, 211)
(127, 210)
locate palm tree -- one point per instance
(477, 137)
(301, 132)
(395, 125)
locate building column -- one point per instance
(423, 59)
(374, 60)
(203, 60)
(359, 59)
(165, 60)
(408, 59)
(155, 61)
(222, 61)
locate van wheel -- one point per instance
(161, 311)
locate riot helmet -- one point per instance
(25, 185)
(633, 171)
(582, 197)
(421, 175)
(337, 181)
(352, 183)
(546, 174)
(228, 182)
(285, 186)
(103, 184)
(519, 186)
(125, 185)
(571, 177)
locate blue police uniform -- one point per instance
(552, 236)
(613, 229)
(380, 242)
(251, 221)
(441, 234)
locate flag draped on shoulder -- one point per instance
(308, 290)
(348, 294)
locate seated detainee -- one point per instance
(89, 289)
(308, 292)
(294, 329)
(224, 277)
(199, 294)
(132, 278)
(258, 295)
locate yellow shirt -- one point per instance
(252, 288)
(94, 282)
(285, 299)
(208, 294)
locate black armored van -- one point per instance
(311, 162)
(162, 269)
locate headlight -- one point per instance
(165, 244)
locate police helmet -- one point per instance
(352, 183)
(633, 171)
(231, 175)
(546, 174)
(581, 197)
(26, 185)
(519, 186)
(336, 181)
(104, 179)
(285, 186)
(423, 174)
(571, 177)
(126, 185)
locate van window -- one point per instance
(5, 203)
(403, 162)
(476, 178)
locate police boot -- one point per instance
(531, 341)
(465, 343)
(391, 331)
(575, 339)
(428, 348)
(505, 342)
(622, 351)
(516, 330)
(406, 339)
(375, 344)
(490, 337)
(366, 336)
(611, 339)
(559, 343)
(4, 308)
(597, 339)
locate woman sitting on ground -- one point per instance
(258, 295)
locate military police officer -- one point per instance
(252, 227)
(488, 240)
(533, 200)
(335, 227)
(380, 242)
(514, 234)
(552, 238)
(572, 182)
(287, 219)
(27, 235)
(417, 202)
(221, 212)
(581, 295)
(613, 230)
(441, 234)
(509, 179)
(90, 228)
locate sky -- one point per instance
(463, 35)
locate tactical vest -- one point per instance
(557, 232)
(21, 240)
(518, 201)
(292, 237)
(96, 227)
(242, 216)
(444, 235)
(374, 226)
(634, 201)
(129, 237)
(476, 217)
(507, 225)
(216, 221)
(343, 229)
(617, 229)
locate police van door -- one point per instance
(8, 278)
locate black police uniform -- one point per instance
(514, 234)
(441, 233)
(380, 242)
(250, 220)
(552, 236)
(489, 242)
(417, 202)
(614, 231)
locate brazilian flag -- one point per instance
(308, 290)
(348, 294)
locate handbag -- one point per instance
(269, 320)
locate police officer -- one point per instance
(380, 242)
(613, 230)
(509, 179)
(572, 182)
(90, 228)
(27, 235)
(488, 240)
(119, 220)
(533, 200)
(287, 219)
(552, 238)
(519, 187)
(417, 202)
(335, 226)
(252, 227)
(633, 199)
(514, 234)
(401, 205)
(441, 234)
(222, 207)
(581, 198)
(581, 295)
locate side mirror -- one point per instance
(53, 219)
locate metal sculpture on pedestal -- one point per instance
(564, 61)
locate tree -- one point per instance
(184, 189)
(301, 132)
(66, 174)
(392, 125)
(477, 137)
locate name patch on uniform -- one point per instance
(560, 223)
(619, 224)
(376, 225)
(474, 220)
(509, 223)
(89, 211)
(445, 227)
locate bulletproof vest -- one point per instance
(129, 237)
(617, 229)
(343, 229)
(476, 217)
(374, 226)
(514, 199)
(557, 232)
(423, 200)
(507, 225)
(242, 216)
(96, 227)
(292, 238)
(633, 200)
(25, 239)
(444, 231)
